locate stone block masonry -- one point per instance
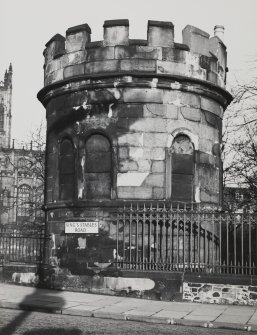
(128, 120)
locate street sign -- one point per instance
(81, 227)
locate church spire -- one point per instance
(8, 77)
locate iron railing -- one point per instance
(161, 237)
(23, 245)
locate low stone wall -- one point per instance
(146, 285)
(154, 285)
(220, 293)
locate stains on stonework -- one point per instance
(220, 293)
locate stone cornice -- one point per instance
(140, 80)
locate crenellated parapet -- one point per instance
(200, 58)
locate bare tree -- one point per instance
(240, 141)
(26, 161)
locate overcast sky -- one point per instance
(26, 25)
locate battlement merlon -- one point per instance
(116, 32)
(199, 57)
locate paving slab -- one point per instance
(125, 308)
(81, 310)
(109, 315)
(187, 322)
(243, 319)
(115, 309)
(180, 308)
(138, 312)
(239, 310)
(99, 303)
(203, 318)
(148, 319)
(252, 322)
(253, 319)
(206, 311)
(170, 314)
(232, 326)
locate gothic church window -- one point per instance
(24, 163)
(5, 198)
(1, 117)
(182, 165)
(98, 167)
(24, 200)
(66, 170)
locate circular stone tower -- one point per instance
(129, 120)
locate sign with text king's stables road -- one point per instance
(81, 227)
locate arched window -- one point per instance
(24, 200)
(21, 163)
(182, 165)
(66, 170)
(5, 197)
(6, 161)
(98, 167)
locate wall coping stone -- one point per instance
(162, 24)
(57, 37)
(79, 28)
(223, 278)
(114, 23)
(197, 31)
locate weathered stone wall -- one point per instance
(140, 95)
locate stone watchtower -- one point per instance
(130, 120)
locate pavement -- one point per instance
(125, 308)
